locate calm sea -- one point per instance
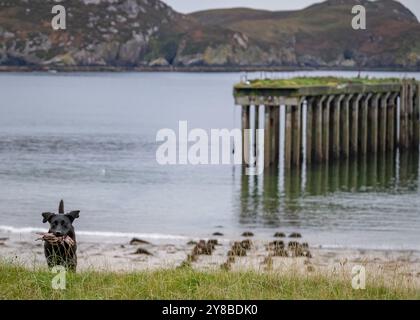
(90, 139)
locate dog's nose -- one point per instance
(58, 234)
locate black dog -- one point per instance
(61, 225)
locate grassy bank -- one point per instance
(19, 283)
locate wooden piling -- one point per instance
(267, 136)
(309, 129)
(256, 127)
(319, 129)
(296, 135)
(383, 122)
(354, 126)
(364, 123)
(391, 122)
(288, 137)
(410, 114)
(245, 134)
(417, 117)
(326, 128)
(336, 126)
(314, 129)
(345, 124)
(276, 135)
(404, 116)
(397, 120)
(373, 124)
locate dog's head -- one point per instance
(61, 224)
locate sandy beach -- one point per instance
(95, 254)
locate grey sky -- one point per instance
(186, 6)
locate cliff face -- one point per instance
(149, 33)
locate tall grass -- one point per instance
(17, 282)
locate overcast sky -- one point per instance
(186, 6)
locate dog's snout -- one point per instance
(58, 233)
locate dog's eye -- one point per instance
(63, 223)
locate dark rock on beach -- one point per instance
(247, 234)
(218, 234)
(2, 241)
(136, 241)
(143, 251)
(279, 235)
(295, 235)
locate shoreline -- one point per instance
(120, 256)
(194, 69)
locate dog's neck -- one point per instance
(72, 234)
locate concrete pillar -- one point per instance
(318, 128)
(383, 122)
(309, 129)
(345, 126)
(245, 134)
(336, 127)
(256, 127)
(354, 126)
(276, 135)
(391, 122)
(417, 116)
(296, 135)
(404, 116)
(364, 123)
(267, 137)
(326, 128)
(410, 113)
(397, 120)
(288, 138)
(373, 121)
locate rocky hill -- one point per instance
(150, 34)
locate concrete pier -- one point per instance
(344, 120)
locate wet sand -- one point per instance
(401, 266)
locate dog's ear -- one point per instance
(47, 216)
(73, 215)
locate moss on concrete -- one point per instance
(300, 82)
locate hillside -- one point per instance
(320, 35)
(148, 33)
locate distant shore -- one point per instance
(119, 255)
(204, 69)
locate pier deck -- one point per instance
(344, 118)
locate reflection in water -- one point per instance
(274, 196)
